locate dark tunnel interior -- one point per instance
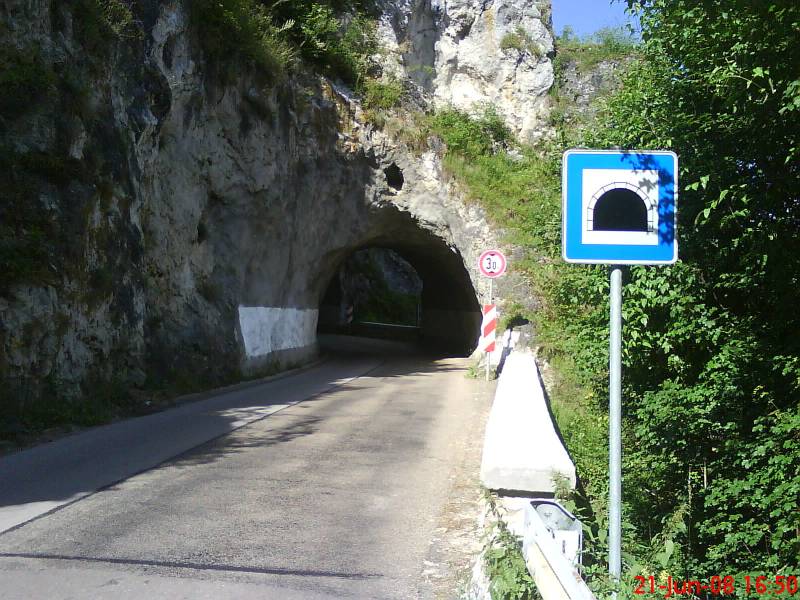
(429, 298)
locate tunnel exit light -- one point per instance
(619, 207)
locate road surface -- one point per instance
(327, 484)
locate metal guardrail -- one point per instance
(551, 545)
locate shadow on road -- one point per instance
(45, 478)
(194, 566)
(226, 445)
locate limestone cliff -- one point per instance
(162, 222)
(469, 54)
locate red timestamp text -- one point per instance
(786, 585)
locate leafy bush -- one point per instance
(471, 137)
(382, 94)
(521, 41)
(505, 566)
(25, 81)
(607, 44)
(231, 28)
(711, 431)
(275, 35)
(353, 57)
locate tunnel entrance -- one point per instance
(406, 283)
(375, 293)
(395, 277)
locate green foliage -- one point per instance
(615, 41)
(339, 38)
(244, 28)
(711, 376)
(382, 94)
(470, 137)
(354, 56)
(343, 51)
(521, 41)
(505, 565)
(382, 304)
(25, 81)
(711, 392)
(118, 17)
(607, 44)
(387, 306)
(97, 23)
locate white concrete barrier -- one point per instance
(521, 450)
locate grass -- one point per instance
(25, 81)
(521, 41)
(607, 44)
(505, 565)
(382, 94)
(379, 98)
(474, 370)
(243, 29)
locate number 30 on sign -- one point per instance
(492, 263)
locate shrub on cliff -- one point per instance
(338, 38)
(244, 28)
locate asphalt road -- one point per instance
(333, 496)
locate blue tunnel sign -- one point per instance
(619, 207)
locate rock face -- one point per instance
(472, 54)
(580, 86)
(386, 267)
(194, 226)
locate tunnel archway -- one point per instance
(449, 314)
(287, 283)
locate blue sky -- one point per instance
(587, 16)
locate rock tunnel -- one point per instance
(449, 318)
(449, 311)
(448, 315)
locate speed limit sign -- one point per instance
(492, 263)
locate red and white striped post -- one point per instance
(488, 332)
(491, 264)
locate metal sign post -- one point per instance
(615, 429)
(488, 354)
(619, 208)
(492, 264)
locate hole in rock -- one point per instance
(394, 176)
